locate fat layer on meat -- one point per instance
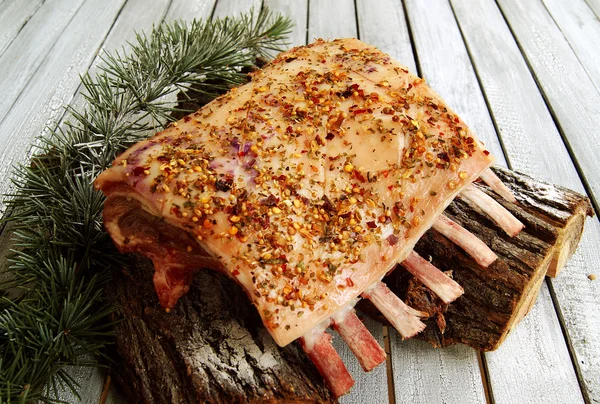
(307, 185)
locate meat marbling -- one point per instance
(306, 185)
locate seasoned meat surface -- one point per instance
(306, 185)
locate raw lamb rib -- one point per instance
(306, 186)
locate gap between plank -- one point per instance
(307, 21)
(412, 40)
(485, 379)
(387, 346)
(570, 348)
(480, 84)
(356, 20)
(555, 120)
(212, 13)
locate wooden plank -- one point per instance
(297, 11)
(369, 387)
(234, 8)
(188, 10)
(386, 30)
(579, 299)
(27, 52)
(53, 85)
(527, 361)
(581, 28)
(567, 88)
(446, 66)
(14, 14)
(331, 19)
(534, 146)
(423, 374)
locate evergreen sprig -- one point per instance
(52, 313)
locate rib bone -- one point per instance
(496, 184)
(433, 278)
(510, 224)
(317, 345)
(360, 341)
(466, 240)
(405, 319)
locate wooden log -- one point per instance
(565, 212)
(211, 348)
(498, 297)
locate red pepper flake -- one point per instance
(358, 175)
(139, 170)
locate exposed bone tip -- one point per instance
(496, 184)
(441, 284)
(470, 243)
(498, 213)
(358, 338)
(405, 319)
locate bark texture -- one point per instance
(211, 348)
(496, 298)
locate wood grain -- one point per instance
(14, 14)
(133, 18)
(27, 52)
(570, 93)
(423, 374)
(534, 146)
(523, 365)
(188, 10)
(386, 30)
(576, 21)
(297, 11)
(331, 19)
(234, 8)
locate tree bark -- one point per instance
(211, 348)
(496, 298)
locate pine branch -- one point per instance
(62, 257)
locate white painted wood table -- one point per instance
(525, 75)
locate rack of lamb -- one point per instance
(306, 186)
